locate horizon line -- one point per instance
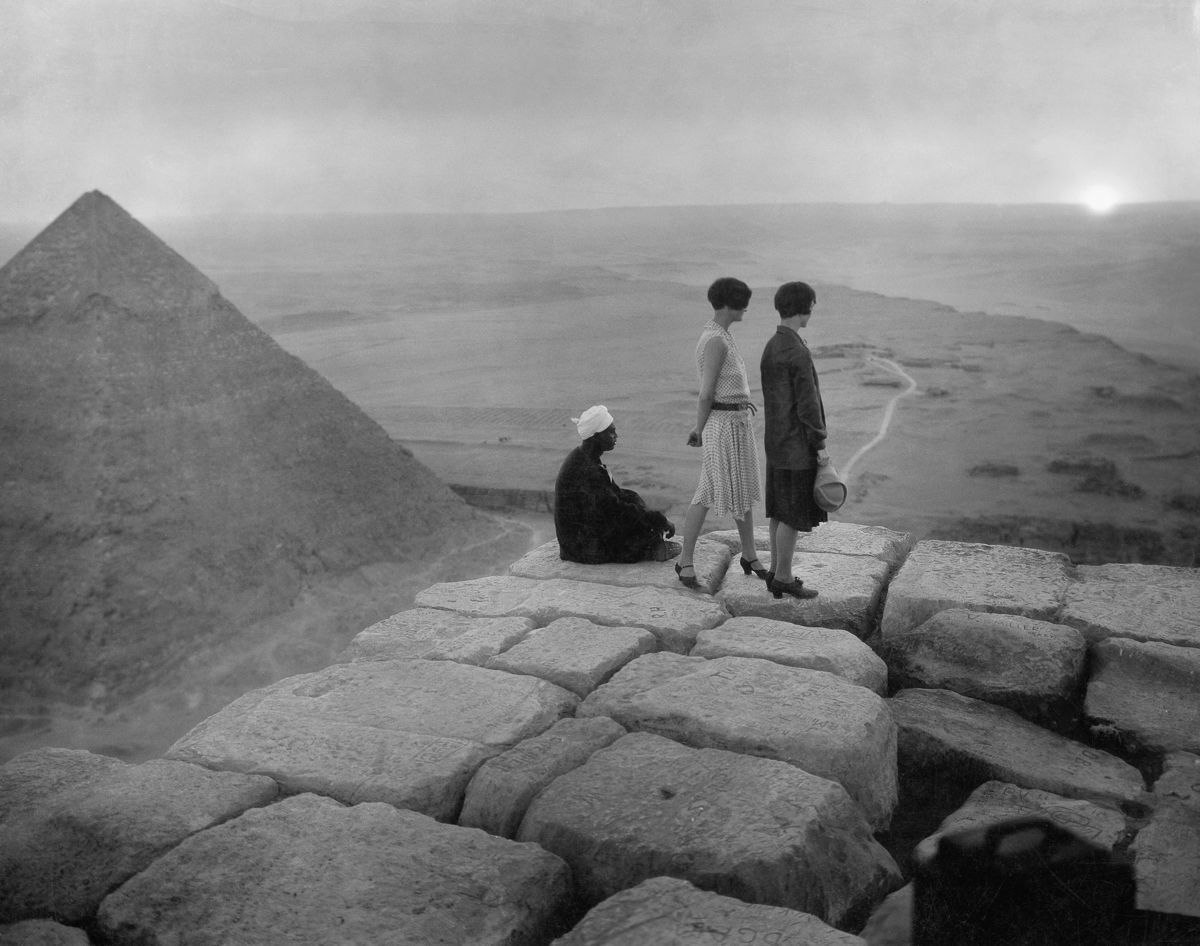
(994, 205)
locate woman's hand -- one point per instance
(694, 439)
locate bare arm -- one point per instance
(714, 357)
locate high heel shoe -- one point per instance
(689, 581)
(753, 566)
(795, 588)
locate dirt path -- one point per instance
(888, 410)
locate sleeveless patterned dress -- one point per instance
(729, 457)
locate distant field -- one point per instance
(473, 339)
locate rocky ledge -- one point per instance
(591, 755)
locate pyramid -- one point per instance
(170, 474)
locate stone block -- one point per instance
(842, 538)
(1145, 695)
(849, 591)
(73, 825)
(992, 802)
(674, 617)
(433, 634)
(1166, 863)
(1138, 602)
(755, 829)
(1179, 783)
(998, 578)
(948, 738)
(891, 922)
(711, 561)
(809, 718)
(502, 789)
(309, 870)
(796, 645)
(407, 732)
(494, 596)
(42, 933)
(1033, 667)
(664, 911)
(575, 654)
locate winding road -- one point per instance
(887, 412)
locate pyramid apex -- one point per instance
(96, 247)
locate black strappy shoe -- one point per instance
(689, 581)
(753, 566)
(795, 588)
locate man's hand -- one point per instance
(663, 524)
(694, 439)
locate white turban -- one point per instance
(592, 421)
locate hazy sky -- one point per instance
(181, 106)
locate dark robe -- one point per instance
(597, 521)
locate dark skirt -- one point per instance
(790, 498)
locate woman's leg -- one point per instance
(692, 524)
(745, 527)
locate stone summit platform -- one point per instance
(596, 755)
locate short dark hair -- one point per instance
(729, 293)
(794, 298)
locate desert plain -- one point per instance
(1021, 375)
(1025, 376)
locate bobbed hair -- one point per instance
(794, 298)
(729, 293)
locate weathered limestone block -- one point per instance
(1179, 782)
(433, 634)
(494, 596)
(502, 789)
(756, 829)
(812, 719)
(1033, 667)
(849, 590)
(1166, 861)
(842, 538)
(999, 578)
(1138, 602)
(674, 617)
(407, 732)
(992, 802)
(711, 561)
(310, 871)
(891, 922)
(1146, 695)
(953, 738)
(73, 825)
(664, 911)
(575, 654)
(795, 645)
(42, 933)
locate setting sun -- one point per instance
(1100, 199)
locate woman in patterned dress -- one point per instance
(724, 432)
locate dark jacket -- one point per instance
(793, 413)
(596, 521)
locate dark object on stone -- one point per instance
(1025, 882)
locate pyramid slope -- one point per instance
(170, 472)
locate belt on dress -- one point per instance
(718, 406)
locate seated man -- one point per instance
(595, 519)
